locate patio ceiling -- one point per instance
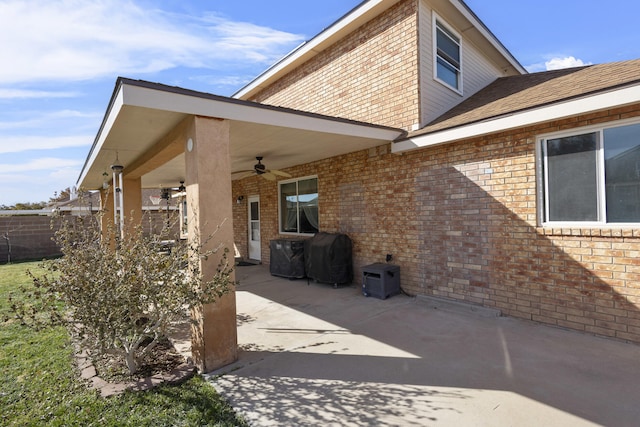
(141, 114)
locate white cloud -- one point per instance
(76, 40)
(53, 164)
(35, 184)
(31, 94)
(232, 81)
(556, 63)
(566, 62)
(37, 179)
(33, 119)
(17, 144)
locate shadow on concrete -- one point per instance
(314, 354)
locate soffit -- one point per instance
(141, 114)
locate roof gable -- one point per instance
(357, 17)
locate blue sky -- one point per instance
(60, 60)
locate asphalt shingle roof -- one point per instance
(514, 94)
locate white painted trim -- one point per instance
(435, 18)
(611, 99)
(541, 190)
(468, 14)
(254, 249)
(289, 181)
(356, 18)
(112, 114)
(183, 103)
(589, 128)
(542, 178)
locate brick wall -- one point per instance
(371, 75)
(460, 220)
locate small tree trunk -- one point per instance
(8, 241)
(130, 359)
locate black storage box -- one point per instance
(287, 258)
(328, 258)
(380, 280)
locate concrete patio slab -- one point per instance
(315, 355)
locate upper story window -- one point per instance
(591, 177)
(448, 57)
(299, 205)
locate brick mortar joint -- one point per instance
(612, 233)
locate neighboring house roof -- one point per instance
(151, 200)
(522, 100)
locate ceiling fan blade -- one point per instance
(242, 174)
(280, 173)
(269, 176)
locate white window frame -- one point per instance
(542, 182)
(437, 21)
(289, 181)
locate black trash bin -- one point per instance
(328, 258)
(380, 280)
(287, 258)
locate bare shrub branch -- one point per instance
(121, 301)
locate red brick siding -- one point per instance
(371, 75)
(460, 220)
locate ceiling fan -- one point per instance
(261, 170)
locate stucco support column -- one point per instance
(132, 204)
(208, 170)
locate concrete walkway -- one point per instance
(312, 355)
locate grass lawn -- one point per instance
(40, 385)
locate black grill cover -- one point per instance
(328, 258)
(287, 258)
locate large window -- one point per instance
(592, 176)
(448, 62)
(299, 206)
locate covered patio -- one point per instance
(314, 355)
(158, 136)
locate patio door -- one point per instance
(254, 228)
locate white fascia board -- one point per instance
(603, 101)
(235, 110)
(356, 18)
(105, 129)
(465, 11)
